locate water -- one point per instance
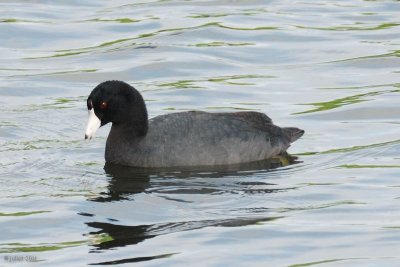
(329, 67)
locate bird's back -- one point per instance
(201, 138)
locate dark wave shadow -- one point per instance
(122, 235)
(132, 260)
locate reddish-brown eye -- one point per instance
(103, 105)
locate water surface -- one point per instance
(329, 67)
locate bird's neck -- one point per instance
(133, 123)
(121, 143)
(127, 132)
(137, 124)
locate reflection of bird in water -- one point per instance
(127, 181)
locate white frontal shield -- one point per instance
(93, 124)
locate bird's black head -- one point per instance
(119, 103)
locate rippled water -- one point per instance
(329, 67)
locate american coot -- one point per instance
(192, 138)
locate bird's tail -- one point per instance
(293, 133)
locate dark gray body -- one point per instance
(198, 138)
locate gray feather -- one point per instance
(199, 138)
